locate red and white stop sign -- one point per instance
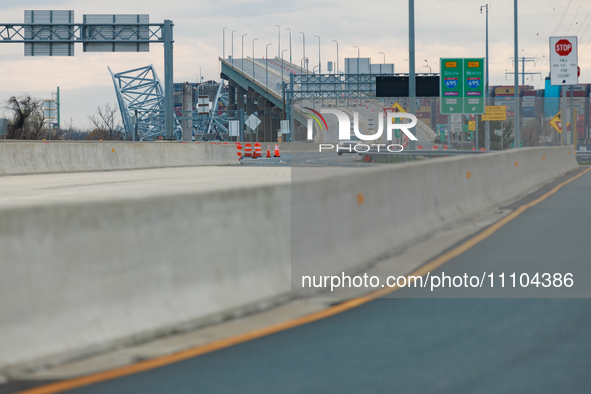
(563, 47)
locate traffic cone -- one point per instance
(268, 151)
(277, 154)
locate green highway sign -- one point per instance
(462, 86)
(452, 86)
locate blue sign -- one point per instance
(473, 82)
(451, 82)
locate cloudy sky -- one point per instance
(450, 28)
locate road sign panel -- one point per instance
(556, 122)
(452, 86)
(495, 112)
(472, 125)
(462, 86)
(474, 86)
(456, 122)
(253, 122)
(563, 61)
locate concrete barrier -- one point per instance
(346, 219)
(18, 158)
(80, 278)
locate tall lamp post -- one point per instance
(486, 88)
(287, 28)
(384, 61)
(224, 43)
(319, 62)
(233, 47)
(267, 67)
(278, 40)
(253, 40)
(337, 55)
(304, 46)
(427, 65)
(282, 64)
(516, 133)
(358, 52)
(245, 34)
(412, 87)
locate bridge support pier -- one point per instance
(232, 95)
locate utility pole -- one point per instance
(486, 93)
(412, 90)
(516, 133)
(523, 60)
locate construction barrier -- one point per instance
(248, 150)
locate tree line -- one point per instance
(27, 122)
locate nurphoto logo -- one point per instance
(344, 123)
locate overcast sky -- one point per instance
(450, 28)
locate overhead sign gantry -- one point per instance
(54, 33)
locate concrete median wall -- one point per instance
(346, 219)
(18, 158)
(80, 278)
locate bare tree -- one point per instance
(104, 123)
(27, 122)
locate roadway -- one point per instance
(418, 345)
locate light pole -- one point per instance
(253, 40)
(427, 65)
(355, 46)
(224, 43)
(233, 47)
(384, 60)
(337, 55)
(245, 34)
(267, 67)
(282, 64)
(412, 87)
(287, 28)
(304, 46)
(302, 62)
(516, 136)
(319, 62)
(487, 124)
(278, 40)
(199, 84)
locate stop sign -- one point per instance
(563, 47)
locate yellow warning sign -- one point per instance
(471, 125)
(495, 112)
(556, 122)
(397, 107)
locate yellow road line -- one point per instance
(70, 384)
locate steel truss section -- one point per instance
(140, 90)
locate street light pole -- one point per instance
(287, 28)
(354, 46)
(233, 47)
(304, 46)
(487, 124)
(278, 40)
(267, 67)
(245, 34)
(337, 55)
(516, 136)
(224, 43)
(427, 65)
(253, 40)
(384, 61)
(282, 64)
(319, 62)
(412, 88)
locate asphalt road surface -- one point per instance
(423, 345)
